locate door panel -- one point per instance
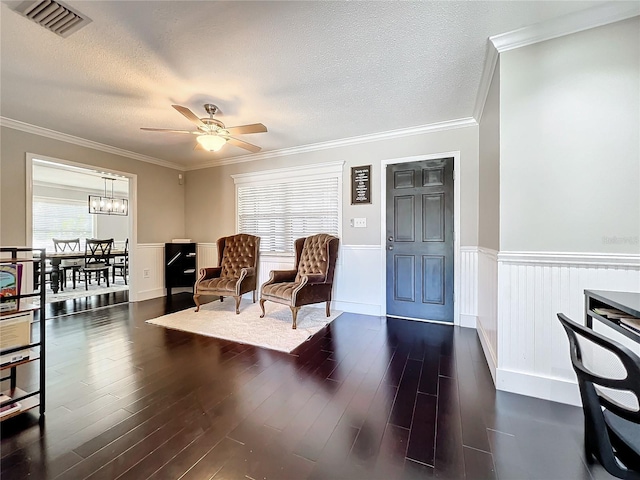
(405, 272)
(404, 212)
(433, 279)
(433, 217)
(419, 237)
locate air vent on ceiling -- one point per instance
(54, 16)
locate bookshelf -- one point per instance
(18, 351)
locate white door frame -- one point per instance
(133, 209)
(456, 226)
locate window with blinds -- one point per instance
(57, 218)
(279, 213)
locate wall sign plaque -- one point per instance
(361, 184)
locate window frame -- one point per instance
(285, 175)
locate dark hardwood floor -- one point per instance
(366, 398)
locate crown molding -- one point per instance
(373, 137)
(491, 60)
(565, 25)
(558, 27)
(82, 142)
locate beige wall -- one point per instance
(570, 143)
(161, 202)
(489, 165)
(210, 194)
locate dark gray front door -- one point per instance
(419, 240)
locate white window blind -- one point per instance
(64, 219)
(279, 213)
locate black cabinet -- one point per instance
(179, 265)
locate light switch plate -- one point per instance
(360, 222)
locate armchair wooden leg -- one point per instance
(195, 299)
(262, 300)
(328, 308)
(294, 314)
(238, 303)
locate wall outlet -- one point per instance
(360, 222)
(146, 273)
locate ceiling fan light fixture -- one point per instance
(212, 143)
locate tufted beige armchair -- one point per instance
(310, 281)
(236, 273)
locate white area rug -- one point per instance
(219, 319)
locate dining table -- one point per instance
(56, 259)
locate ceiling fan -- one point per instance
(212, 135)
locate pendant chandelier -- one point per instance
(108, 205)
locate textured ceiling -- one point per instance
(310, 71)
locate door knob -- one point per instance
(390, 247)
(391, 239)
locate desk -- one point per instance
(57, 257)
(626, 302)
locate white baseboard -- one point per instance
(489, 354)
(547, 388)
(149, 294)
(468, 321)
(360, 308)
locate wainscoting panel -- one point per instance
(149, 258)
(488, 306)
(533, 288)
(468, 296)
(273, 262)
(357, 281)
(207, 256)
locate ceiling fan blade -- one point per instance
(189, 114)
(199, 147)
(167, 130)
(243, 129)
(241, 144)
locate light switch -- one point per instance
(360, 222)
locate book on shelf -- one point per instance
(9, 408)
(10, 286)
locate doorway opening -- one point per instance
(59, 195)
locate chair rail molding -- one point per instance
(533, 353)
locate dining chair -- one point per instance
(66, 265)
(121, 264)
(609, 381)
(97, 257)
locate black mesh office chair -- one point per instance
(611, 428)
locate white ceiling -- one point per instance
(310, 71)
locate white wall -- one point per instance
(569, 195)
(570, 143)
